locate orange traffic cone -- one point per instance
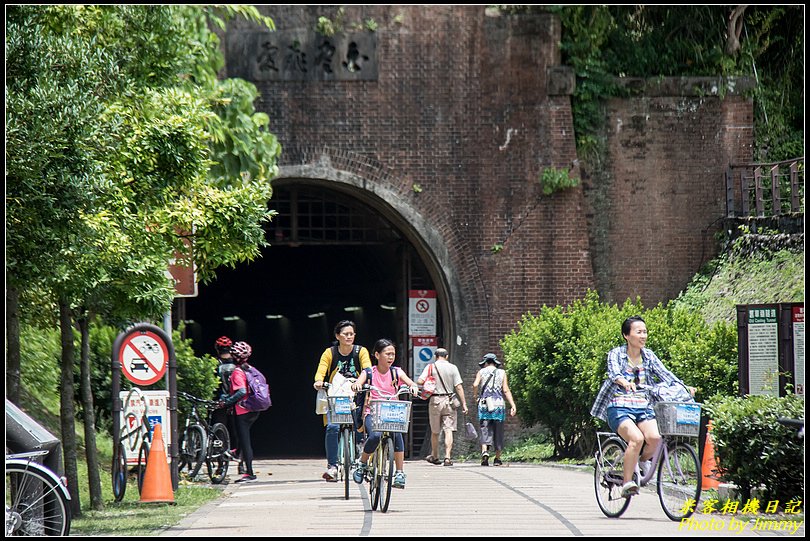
(157, 481)
(709, 467)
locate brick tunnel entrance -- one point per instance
(331, 258)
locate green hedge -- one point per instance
(557, 361)
(754, 450)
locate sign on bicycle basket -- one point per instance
(340, 410)
(390, 415)
(678, 418)
(688, 414)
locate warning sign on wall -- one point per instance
(422, 312)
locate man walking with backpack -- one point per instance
(348, 360)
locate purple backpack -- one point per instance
(259, 392)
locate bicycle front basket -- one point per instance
(678, 418)
(340, 410)
(390, 415)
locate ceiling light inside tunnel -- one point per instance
(274, 316)
(352, 309)
(231, 318)
(388, 307)
(316, 314)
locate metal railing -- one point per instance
(765, 189)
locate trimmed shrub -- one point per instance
(557, 361)
(754, 450)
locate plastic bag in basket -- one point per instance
(666, 392)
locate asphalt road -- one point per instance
(289, 498)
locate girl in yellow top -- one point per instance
(348, 360)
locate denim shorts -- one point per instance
(616, 415)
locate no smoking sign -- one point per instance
(144, 357)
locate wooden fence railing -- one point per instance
(765, 189)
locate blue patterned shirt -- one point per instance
(617, 361)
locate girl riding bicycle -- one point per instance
(627, 409)
(386, 380)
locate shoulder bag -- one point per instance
(489, 402)
(429, 387)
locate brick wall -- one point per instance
(472, 108)
(655, 207)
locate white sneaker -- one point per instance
(645, 466)
(630, 488)
(331, 473)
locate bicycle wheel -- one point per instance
(217, 461)
(679, 480)
(608, 477)
(376, 477)
(387, 472)
(143, 458)
(119, 472)
(194, 446)
(346, 445)
(35, 504)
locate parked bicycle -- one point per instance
(133, 440)
(389, 416)
(679, 475)
(203, 442)
(37, 500)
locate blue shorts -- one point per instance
(617, 415)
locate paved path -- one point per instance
(462, 500)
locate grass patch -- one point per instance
(130, 517)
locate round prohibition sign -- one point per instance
(422, 306)
(144, 357)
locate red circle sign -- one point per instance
(144, 357)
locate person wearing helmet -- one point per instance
(240, 353)
(491, 406)
(226, 416)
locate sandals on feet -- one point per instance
(448, 462)
(433, 460)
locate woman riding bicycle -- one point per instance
(348, 360)
(386, 381)
(627, 409)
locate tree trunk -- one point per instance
(96, 499)
(67, 412)
(13, 344)
(734, 30)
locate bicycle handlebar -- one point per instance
(405, 388)
(796, 423)
(192, 398)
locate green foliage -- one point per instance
(555, 180)
(753, 449)
(557, 357)
(40, 368)
(602, 42)
(121, 138)
(730, 280)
